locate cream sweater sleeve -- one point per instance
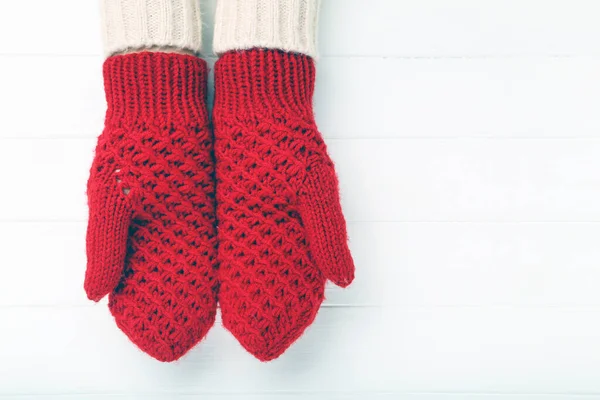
(289, 25)
(145, 24)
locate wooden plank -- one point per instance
(381, 180)
(357, 350)
(463, 28)
(398, 264)
(311, 396)
(355, 97)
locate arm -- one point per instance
(151, 25)
(289, 25)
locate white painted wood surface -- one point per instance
(467, 140)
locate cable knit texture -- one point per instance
(143, 24)
(151, 239)
(289, 25)
(281, 228)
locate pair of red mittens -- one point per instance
(152, 239)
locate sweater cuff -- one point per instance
(144, 24)
(289, 25)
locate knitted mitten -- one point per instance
(151, 231)
(281, 228)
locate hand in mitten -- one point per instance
(281, 228)
(151, 233)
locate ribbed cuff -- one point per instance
(144, 24)
(157, 88)
(289, 25)
(264, 83)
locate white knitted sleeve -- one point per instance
(289, 25)
(142, 24)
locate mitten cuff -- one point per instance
(143, 24)
(264, 83)
(289, 25)
(155, 87)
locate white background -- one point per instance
(466, 135)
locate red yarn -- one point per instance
(151, 233)
(281, 228)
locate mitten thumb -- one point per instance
(325, 225)
(106, 243)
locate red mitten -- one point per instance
(151, 233)
(281, 228)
